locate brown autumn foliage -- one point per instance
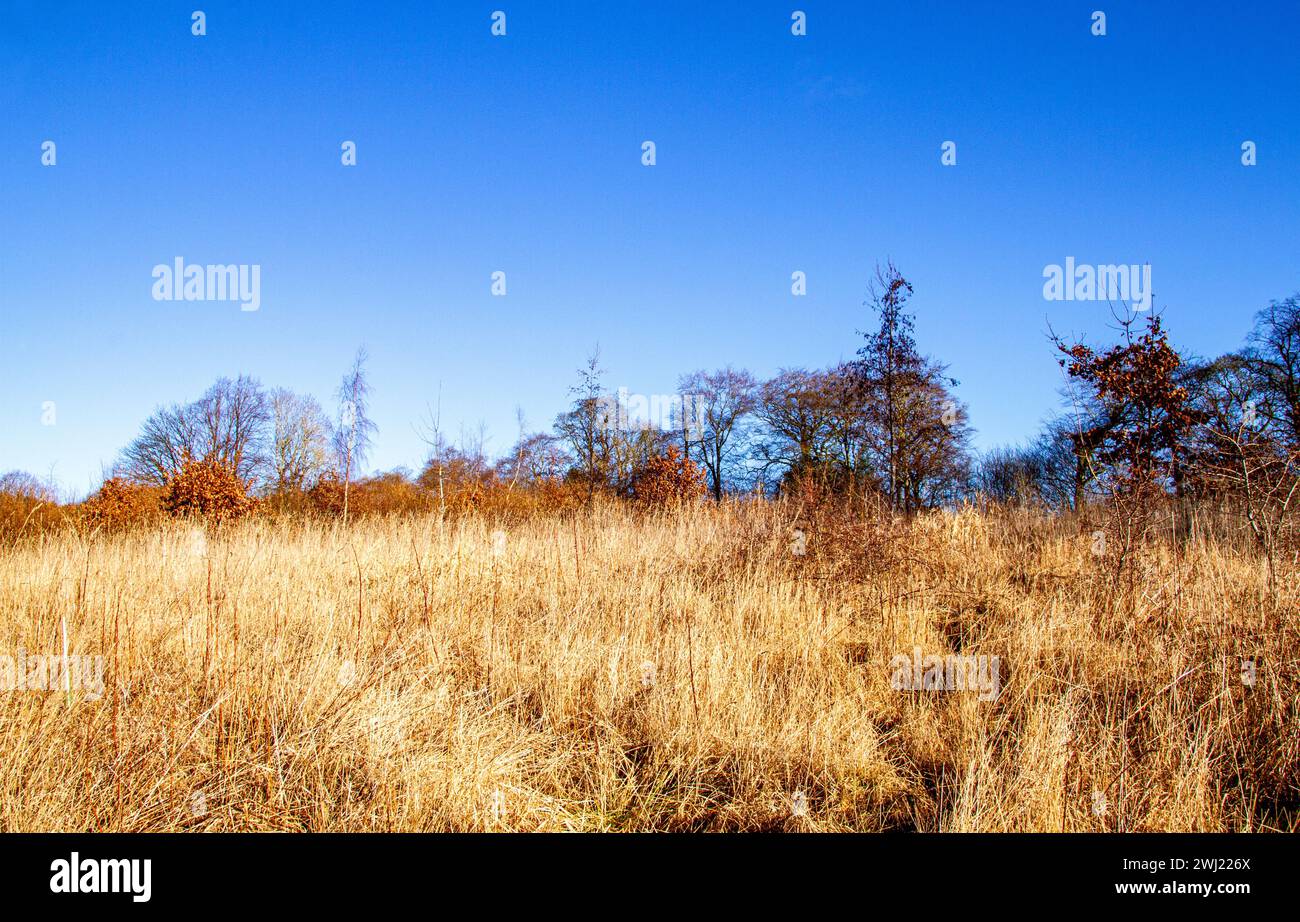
(383, 494)
(668, 479)
(208, 489)
(394, 493)
(1135, 382)
(326, 495)
(26, 507)
(1140, 444)
(388, 493)
(556, 495)
(120, 504)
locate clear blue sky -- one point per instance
(523, 153)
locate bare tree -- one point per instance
(916, 430)
(1240, 450)
(227, 424)
(1264, 476)
(429, 429)
(352, 439)
(890, 368)
(300, 442)
(850, 433)
(1273, 355)
(1049, 470)
(517, 453)
(933, 452)
(535, 458)
(585, 427)
(27, 486)
(713, 409)
(796, 409)
(166, 440)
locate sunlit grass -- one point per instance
(420, 674)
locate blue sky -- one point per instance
(522, 153)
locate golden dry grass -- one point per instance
(620, 672)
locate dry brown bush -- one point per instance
(207, 489)
(326, 496)
(387, 494)
(27, 507)
(121, 504)
(554, 495)
(668, 479)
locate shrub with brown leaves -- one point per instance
(208, 489)
(326, 495)
(119, 503)
(668, 479)
(26, 506)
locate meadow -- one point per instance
(702, 668)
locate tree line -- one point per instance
(1137, 419)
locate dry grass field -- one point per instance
(616, 670)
